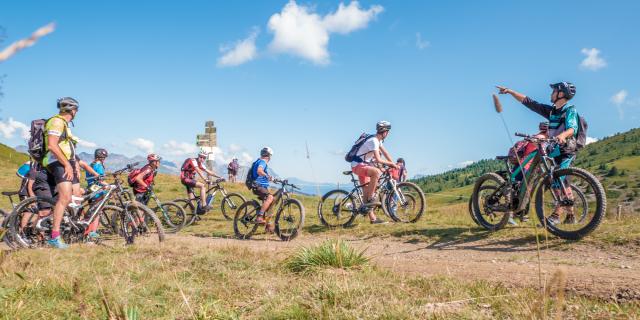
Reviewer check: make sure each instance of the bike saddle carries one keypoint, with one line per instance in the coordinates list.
(346, 173)
(502, 157)
(9, 193)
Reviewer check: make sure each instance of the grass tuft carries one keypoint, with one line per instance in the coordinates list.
(331, 253)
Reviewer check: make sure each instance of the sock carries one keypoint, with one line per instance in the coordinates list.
(55, 234)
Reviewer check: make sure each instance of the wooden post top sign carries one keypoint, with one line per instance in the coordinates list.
(210, 137)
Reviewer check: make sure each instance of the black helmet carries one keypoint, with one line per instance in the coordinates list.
(67, 104)
(400, 160)
(383, 126)
(101, 154)
(567, 87)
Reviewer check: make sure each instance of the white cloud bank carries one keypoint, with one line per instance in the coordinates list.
(420, 43)
(593, 61)
(301, 32)
(9, 128)
(241, 52)
(143, 145)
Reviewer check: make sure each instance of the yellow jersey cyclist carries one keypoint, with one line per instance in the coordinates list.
(60, 162)
(563, 125)
(191, 168)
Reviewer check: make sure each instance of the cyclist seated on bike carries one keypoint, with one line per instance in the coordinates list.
(197, 167)
(59, 161)
(399, 174)
(38, 185)
(99, 156)
(371, 153)
(23, 174)
(522, 149)
(141, 179)
(563, 125)
(258, 179)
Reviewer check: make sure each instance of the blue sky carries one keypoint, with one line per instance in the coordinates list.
(314, 72)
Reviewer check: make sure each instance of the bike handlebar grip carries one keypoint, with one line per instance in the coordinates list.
(518, 134)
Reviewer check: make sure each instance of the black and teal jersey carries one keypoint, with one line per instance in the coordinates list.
(560, 120)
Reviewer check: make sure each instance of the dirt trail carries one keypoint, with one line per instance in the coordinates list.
(612, 273)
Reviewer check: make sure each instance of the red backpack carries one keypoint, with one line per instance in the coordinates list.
(518, 151)
(131, 179)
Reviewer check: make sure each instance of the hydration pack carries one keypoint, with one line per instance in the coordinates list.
(35, 145)
(250, 181)
(581, 137)
(352, 155)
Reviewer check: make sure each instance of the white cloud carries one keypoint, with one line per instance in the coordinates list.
(143, 145)
(240, 52)
(421, 44)
(233, 148)
(620, 97)
(87, 144)
(591, 140)
(301, 32)
(10, 127)
(176, 149)
(464, 164)
(350, 18)
(592, 61)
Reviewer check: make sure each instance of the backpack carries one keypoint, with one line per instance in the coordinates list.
(251, 180)
(131, 179)
(35, 146)
(517, 152)
(352, 155)
(581, 138)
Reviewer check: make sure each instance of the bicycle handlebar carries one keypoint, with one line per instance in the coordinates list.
(285, 183)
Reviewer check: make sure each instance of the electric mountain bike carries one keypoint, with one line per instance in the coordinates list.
(570, 203)
(172, 213)
(401, 201)
(229, 204)
(289, 215)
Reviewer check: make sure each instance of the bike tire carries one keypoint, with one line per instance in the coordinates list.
(329, 202)
(189, 209)
(294, 223)
(476, 205)
(243, 226)
(173, 215)
(416, 193)
(152, 222)
(229, 206)
(600, 205)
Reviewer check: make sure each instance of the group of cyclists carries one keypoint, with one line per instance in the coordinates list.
(59, 170)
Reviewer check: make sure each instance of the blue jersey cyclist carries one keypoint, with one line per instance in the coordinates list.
(100, 155)
(261, 177)
(563, 125)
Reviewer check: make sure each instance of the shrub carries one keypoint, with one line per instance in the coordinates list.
(331, 253)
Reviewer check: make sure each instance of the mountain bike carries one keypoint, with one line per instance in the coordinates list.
(574, 192)
(402, 202)
(229, 204)
(289, 214)
(172, 213)
(77, 219)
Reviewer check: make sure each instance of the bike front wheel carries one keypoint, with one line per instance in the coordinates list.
(189, 210)
(572, 205)
(337, 209)
(230, 204)
(289, 220)
(244, 225)
(173, 215)
(407, 205)
(489, 205)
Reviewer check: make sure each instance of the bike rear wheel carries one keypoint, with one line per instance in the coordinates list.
(244, 225)
(230, 204)
(489, 205)
(408, 206)
(580, 210)
(289, 220)
(173, 215)
(337, 209)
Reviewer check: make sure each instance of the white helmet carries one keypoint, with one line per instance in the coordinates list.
(383, 126)
(203, 154)
(266, 152)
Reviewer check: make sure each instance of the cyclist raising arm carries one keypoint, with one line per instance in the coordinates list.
(563, 125)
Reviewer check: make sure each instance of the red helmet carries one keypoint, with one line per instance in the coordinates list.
(153, 157)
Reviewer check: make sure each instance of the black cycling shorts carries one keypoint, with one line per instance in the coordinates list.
(56, 172)
(142, 197)
(189, 184)
(261, 192)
